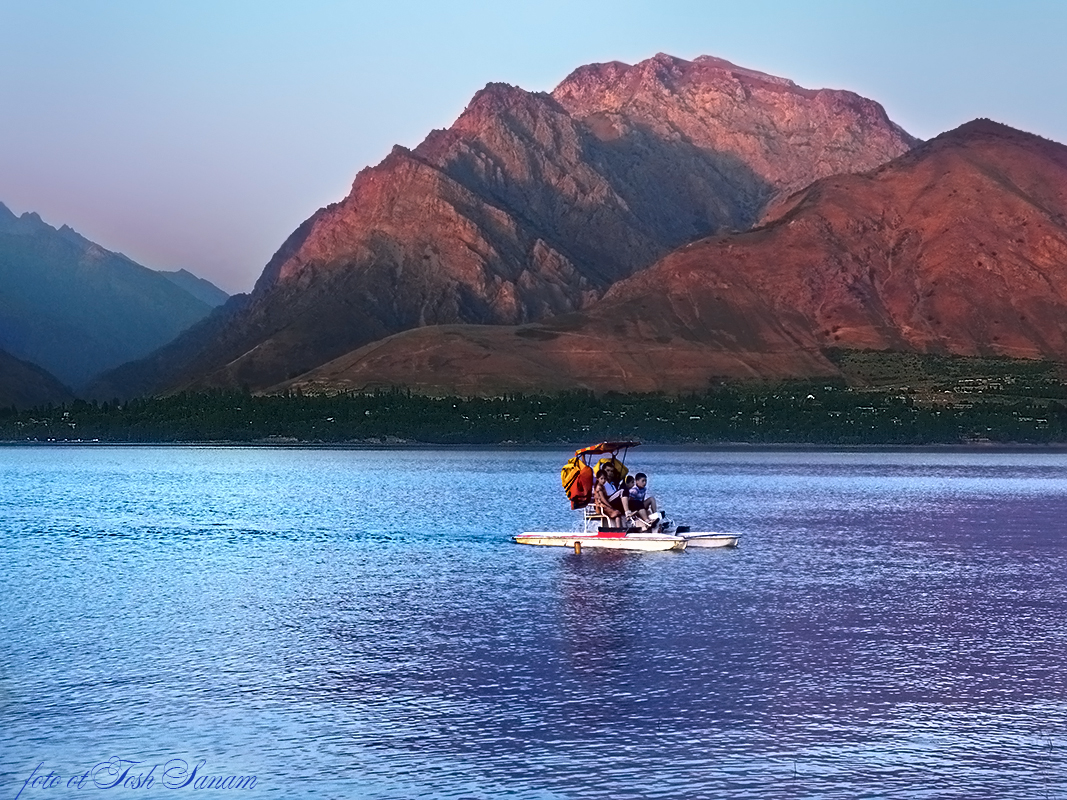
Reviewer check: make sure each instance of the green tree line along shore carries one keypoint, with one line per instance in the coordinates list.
(883, 399)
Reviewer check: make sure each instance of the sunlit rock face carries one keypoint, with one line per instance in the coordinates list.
(959, 246)
(531, 205)
(752, 124)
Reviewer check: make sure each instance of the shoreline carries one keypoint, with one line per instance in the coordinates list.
(976, 447)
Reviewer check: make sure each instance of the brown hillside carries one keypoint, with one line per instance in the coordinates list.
(959, 246)
(530, 205)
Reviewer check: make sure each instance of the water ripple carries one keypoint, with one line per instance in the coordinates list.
(358, 624)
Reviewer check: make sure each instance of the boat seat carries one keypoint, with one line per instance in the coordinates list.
(597, 518)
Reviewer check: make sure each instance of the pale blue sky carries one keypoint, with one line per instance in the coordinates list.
(199, 133)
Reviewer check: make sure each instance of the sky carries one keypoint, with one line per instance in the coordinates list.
(198, 134)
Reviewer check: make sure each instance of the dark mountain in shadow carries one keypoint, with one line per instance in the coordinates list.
(530, 205)
(77, 309)
(200, 288)
(144, 376)
(25, 385)
(958, 247)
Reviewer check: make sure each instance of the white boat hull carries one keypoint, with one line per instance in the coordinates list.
(712, 539)
(635, 541)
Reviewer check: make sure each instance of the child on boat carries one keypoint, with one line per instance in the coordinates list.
(643, 504)
(611, 499)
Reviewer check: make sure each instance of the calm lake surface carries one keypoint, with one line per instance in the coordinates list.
(357, 623)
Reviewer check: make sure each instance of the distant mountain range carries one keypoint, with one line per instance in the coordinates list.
(958, 247)
(200, 288)
(656, 227)
(530, 205)
(75, 309)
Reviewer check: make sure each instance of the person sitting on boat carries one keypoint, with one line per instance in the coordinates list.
(635, 513)
(611, 500)
(643, 504)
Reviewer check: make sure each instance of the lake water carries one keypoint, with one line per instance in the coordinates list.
(358, 624)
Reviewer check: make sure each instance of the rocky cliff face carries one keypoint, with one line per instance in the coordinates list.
(959, 246)
(532, 205)
(785, 134)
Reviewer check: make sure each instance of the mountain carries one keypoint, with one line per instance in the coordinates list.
(200, 288)
(77, 309)
(958, 247)
(529, 205)
(25, 385)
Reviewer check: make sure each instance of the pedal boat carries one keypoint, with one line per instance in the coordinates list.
(596, 536)
(595, 532)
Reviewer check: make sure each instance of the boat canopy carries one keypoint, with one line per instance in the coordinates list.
(577, 476)
(605, 447)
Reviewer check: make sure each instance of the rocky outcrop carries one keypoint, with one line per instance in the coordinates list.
(958, 247)
(532, 205)
(787, 135)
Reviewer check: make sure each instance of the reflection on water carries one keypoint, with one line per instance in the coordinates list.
(358, 624)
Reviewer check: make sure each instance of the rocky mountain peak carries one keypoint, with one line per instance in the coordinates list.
(28, 223)
(599, 87)
(532, 205)
(786, 134)
(957, 247)
(76, 238)
(496, 99)
(986, 131)
(707, 63)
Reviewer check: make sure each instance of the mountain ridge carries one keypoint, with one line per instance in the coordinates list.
(530, 205)
(955, 247)
(200, 288)
(75, 308)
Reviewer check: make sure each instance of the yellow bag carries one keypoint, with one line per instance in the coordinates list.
(569, 473)
(577, 479)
